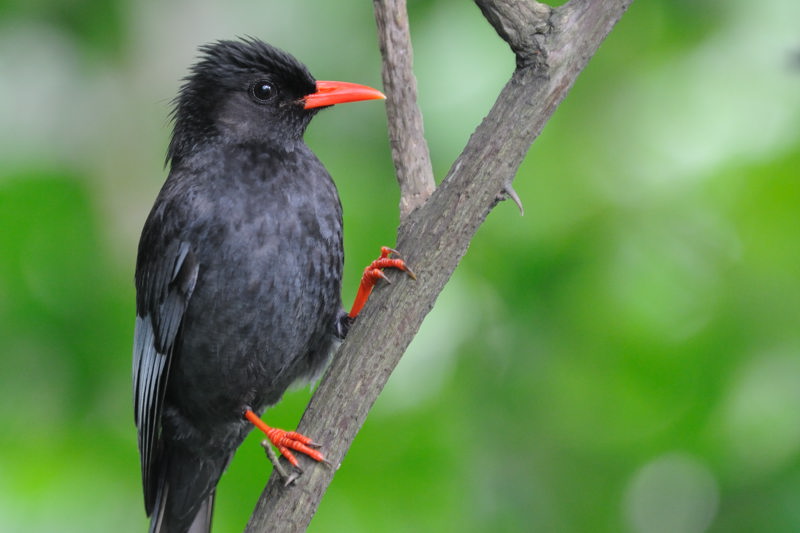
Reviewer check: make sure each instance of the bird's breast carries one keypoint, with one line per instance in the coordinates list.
(268, 289)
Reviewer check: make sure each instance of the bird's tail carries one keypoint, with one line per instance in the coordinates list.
(185, 499)
(202, 520)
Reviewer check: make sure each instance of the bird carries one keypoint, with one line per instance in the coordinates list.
(238, 273)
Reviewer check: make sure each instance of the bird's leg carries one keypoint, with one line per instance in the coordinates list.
(286, 440)
(373, 273)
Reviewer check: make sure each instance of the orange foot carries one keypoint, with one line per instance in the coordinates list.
(374, 272)
(286, 440)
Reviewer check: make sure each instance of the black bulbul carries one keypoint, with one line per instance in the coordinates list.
(238, 273)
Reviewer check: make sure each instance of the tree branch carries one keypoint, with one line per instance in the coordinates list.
(412, 160)
(550, 52)
(522, 24)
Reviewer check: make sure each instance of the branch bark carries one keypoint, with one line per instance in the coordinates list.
(410, 154)
(552, 46)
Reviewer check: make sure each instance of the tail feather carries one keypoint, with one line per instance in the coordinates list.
(185, 499)
(202, 521)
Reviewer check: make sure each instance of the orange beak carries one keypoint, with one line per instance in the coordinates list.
(340, 92)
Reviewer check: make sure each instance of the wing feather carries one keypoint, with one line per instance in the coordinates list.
(164, 287)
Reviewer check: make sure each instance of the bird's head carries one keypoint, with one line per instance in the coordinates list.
(248, 91)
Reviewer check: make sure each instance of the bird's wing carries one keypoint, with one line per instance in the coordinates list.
(164, 284)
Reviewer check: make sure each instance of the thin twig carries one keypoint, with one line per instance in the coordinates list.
(410, 154)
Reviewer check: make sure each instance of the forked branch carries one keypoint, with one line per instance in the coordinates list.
(552, 46)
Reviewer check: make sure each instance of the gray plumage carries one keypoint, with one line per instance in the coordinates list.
(238, 275)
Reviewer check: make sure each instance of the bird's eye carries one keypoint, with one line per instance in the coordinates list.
(262, 90)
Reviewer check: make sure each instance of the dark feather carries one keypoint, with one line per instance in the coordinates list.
(168, 282)
(238, 275)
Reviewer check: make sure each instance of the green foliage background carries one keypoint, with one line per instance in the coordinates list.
(625, 357)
